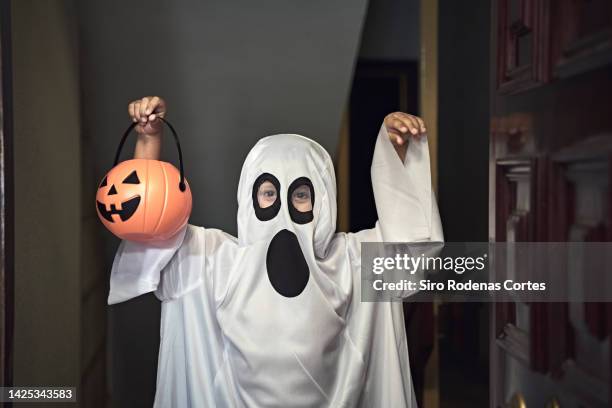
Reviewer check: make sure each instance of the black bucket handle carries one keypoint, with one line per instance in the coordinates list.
(182, 185)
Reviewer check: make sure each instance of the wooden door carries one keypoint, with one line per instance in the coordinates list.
(550, 178)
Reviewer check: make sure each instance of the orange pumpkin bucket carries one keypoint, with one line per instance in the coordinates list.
(144, 200)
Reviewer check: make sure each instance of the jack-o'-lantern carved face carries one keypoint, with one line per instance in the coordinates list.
(141, 200)
(130, 186)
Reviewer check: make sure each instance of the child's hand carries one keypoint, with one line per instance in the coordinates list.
(400, 127)
(146, 112)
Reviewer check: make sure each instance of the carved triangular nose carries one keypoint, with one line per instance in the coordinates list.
(112, 190)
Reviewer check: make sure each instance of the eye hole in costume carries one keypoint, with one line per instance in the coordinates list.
(266, 194)
(301, 197)
(266, 200)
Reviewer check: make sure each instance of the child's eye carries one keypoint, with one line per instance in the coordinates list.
(266, 195)
(301, 194)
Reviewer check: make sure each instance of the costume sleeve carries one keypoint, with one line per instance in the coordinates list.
(405, 201)
(137, 266)
(205, 254)
(173, 267)
(141, 268)
(407, 212)
(186, 269)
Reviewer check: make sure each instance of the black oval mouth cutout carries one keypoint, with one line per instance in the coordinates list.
(287, 268)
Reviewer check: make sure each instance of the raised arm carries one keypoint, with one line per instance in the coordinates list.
(138, 267)
(174, 266)
(401, 180)
(407, 212)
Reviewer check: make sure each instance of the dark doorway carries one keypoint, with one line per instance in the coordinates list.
(463, 129)
(379, 88)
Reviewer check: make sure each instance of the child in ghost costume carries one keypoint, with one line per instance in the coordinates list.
(273, 318)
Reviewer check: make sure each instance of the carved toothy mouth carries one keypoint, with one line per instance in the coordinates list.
(128, 208)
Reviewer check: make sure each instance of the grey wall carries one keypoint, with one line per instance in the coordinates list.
(232, 72)
(60, 276)
(47, 194)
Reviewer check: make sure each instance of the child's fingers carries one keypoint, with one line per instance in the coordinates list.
(395, 136)
(400, 125)
(152, 105)
(392, 123)
(137, 110)
(131, 112)
(414, 125)
(146, 112)
(144, 103)
(407, 123)
(421, 125)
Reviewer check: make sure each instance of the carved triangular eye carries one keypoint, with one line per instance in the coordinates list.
(103, 183)
(132, 178)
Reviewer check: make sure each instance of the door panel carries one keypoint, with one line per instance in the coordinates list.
(550, 176)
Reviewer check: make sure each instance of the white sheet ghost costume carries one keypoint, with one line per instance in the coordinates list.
(274, 317)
